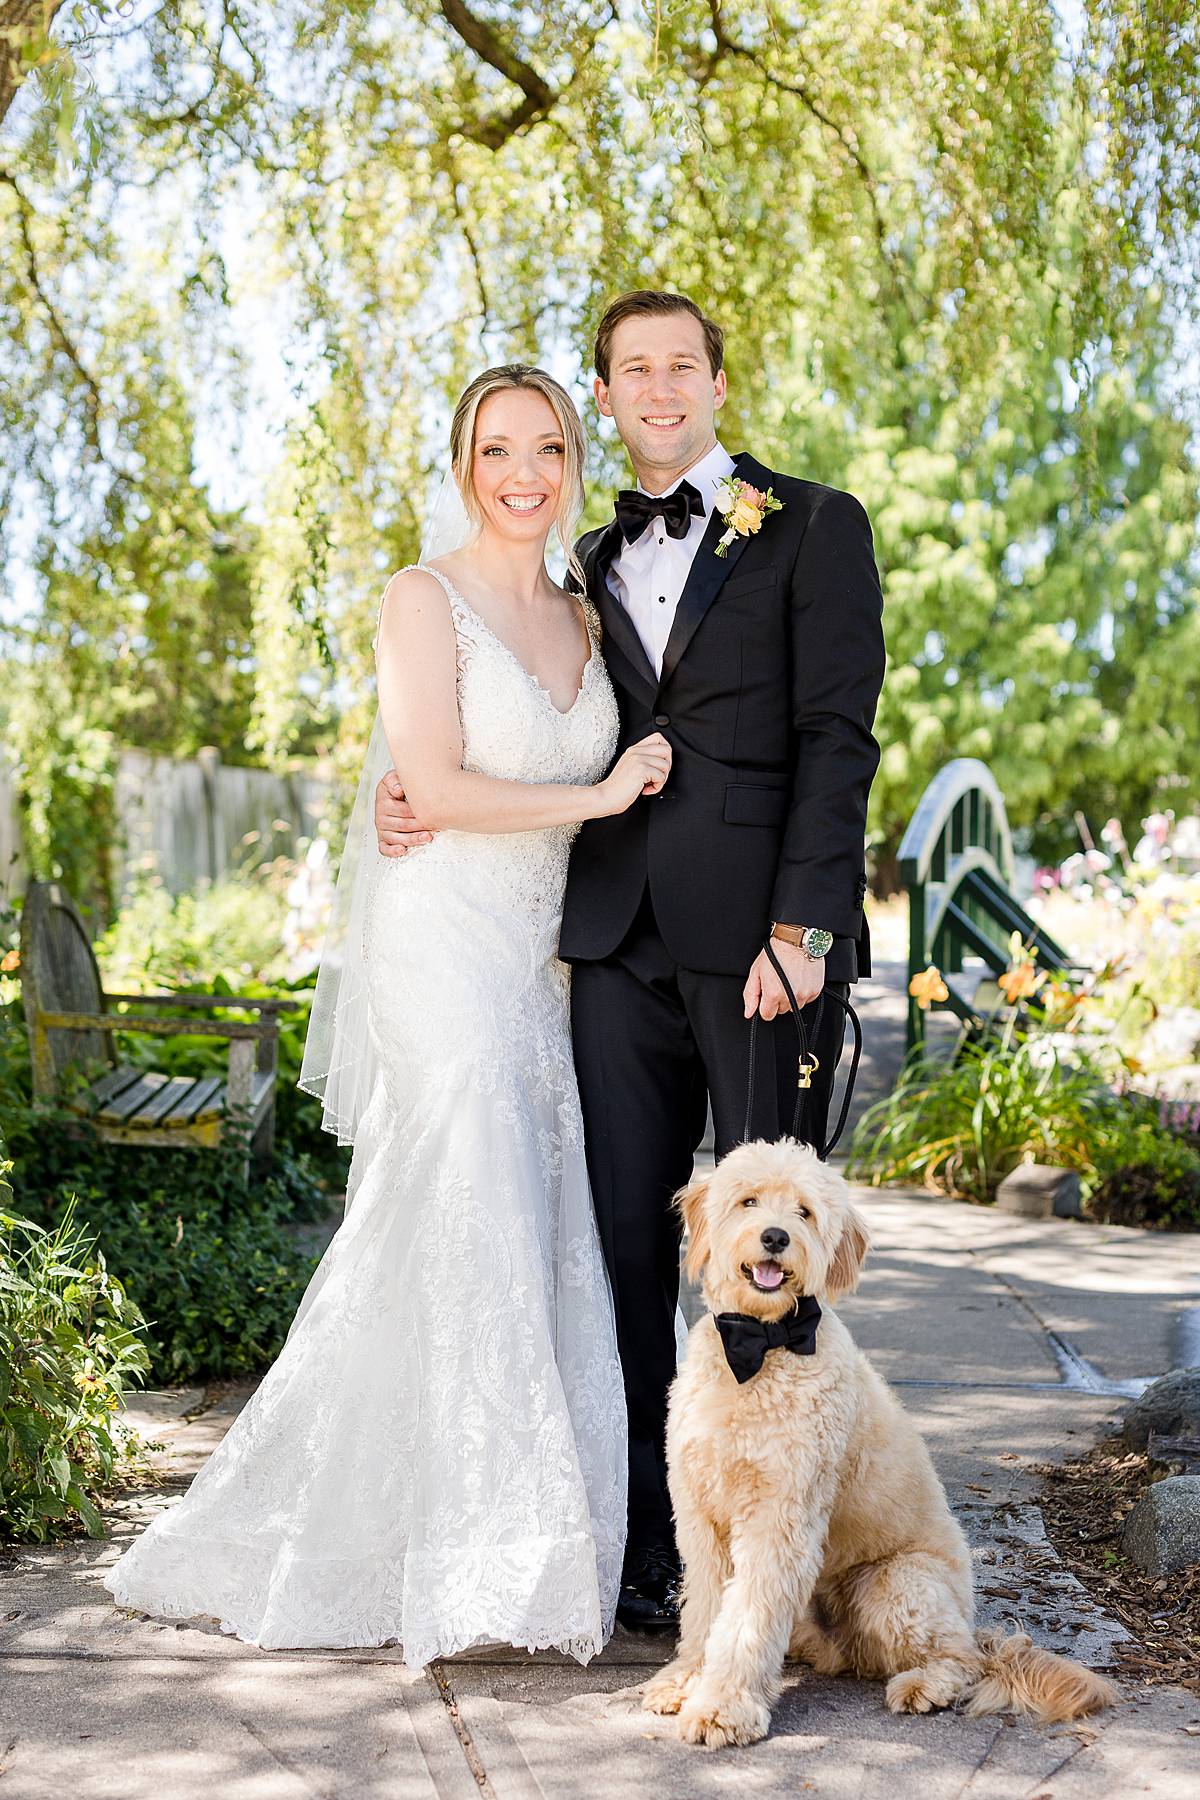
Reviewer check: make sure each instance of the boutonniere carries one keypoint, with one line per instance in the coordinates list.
(743, 509)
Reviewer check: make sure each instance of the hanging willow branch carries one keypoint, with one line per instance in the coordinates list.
(540, 98)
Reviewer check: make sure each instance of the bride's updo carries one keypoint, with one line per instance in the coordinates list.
(462, 443)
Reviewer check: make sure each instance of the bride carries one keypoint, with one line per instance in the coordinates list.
(437, 1457)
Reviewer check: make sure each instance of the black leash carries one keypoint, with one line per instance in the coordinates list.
(807, 1062)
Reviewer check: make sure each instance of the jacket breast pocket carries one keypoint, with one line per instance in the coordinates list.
(748, 804)
(754, 581)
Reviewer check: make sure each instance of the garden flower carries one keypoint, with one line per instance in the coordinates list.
(1063, 1001)
(10, 962)
(1020, 983)
(927, 987)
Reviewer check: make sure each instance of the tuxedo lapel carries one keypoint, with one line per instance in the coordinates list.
(620, 633)
(708, 572)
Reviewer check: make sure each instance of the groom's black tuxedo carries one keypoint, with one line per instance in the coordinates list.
(770, 678)
(769, 684)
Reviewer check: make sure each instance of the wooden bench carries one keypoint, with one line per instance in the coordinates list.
(71, 1026)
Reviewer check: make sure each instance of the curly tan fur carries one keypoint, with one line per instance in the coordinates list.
(808, 1512)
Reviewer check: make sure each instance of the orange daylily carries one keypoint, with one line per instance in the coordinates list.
(927, 987)
(10, 962)
(1020, 982)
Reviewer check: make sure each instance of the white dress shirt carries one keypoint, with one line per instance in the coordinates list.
(648, 575)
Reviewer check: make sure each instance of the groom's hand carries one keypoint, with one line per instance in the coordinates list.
(763, 993)
(396, 825)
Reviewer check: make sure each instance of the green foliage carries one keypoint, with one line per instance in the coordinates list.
(71, 1341)
(206, 940)
(951, 245)
(1039, 548)
(959, 1125)
(214, 1264)
(1171, 973)
(1146, 1174)
(211, 1262)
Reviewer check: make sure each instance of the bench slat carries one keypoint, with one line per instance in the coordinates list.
(165, 1101)
(196, 1104)
(110, 1085)
(146, 1097)
(131, 1099)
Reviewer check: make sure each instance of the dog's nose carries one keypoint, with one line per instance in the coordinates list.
(774, 1240)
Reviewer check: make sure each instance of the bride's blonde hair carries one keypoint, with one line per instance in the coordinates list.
(462, 445)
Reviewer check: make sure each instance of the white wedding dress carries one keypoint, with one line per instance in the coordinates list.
(438, 1456)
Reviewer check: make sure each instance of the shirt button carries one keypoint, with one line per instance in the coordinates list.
(662, 599)
(662, 540)
(662, 718)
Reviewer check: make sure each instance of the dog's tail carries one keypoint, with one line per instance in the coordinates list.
(1016, 1676)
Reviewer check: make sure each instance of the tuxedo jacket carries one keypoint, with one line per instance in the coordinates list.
(769, 684)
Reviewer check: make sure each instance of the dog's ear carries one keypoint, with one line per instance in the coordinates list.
(690, 1202)
(849, 1256)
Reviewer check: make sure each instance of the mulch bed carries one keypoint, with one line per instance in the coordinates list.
(1084, 1505)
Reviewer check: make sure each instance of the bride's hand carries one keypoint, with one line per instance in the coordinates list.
(643, 769)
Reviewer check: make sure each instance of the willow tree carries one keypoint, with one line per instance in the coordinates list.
(411, 189)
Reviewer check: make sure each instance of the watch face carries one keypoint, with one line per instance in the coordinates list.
(817, 942)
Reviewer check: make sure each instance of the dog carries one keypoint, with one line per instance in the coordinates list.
(809, 1517)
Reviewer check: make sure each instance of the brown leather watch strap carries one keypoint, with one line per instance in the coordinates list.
(790, 934)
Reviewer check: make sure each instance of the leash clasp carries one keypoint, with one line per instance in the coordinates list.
(806, 1068)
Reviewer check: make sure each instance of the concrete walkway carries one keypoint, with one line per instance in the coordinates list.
(1006, 1339)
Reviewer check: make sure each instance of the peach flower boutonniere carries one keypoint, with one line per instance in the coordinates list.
(743, 509)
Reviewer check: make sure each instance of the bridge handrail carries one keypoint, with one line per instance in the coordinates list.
(963, 776)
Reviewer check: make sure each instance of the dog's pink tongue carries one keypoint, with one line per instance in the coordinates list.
(768, 1274)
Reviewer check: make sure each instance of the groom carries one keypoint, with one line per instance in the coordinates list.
(762, 664)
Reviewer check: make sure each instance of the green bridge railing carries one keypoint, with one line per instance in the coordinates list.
(956, 860)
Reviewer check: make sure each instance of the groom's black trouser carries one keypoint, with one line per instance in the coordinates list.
(653, 1044)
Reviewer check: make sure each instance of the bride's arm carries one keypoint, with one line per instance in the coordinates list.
(416, 662)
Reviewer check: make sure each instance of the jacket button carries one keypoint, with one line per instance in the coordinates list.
(662, 718)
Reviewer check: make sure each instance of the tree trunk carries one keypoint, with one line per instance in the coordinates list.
(24, 32)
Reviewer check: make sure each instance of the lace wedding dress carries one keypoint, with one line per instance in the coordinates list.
(437, 1457)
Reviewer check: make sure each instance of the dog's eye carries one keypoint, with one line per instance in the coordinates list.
(749, 1199)
(804, 1212)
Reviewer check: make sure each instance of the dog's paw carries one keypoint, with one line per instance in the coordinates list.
(918, 1691)
(669, 1689)
(718, 1720)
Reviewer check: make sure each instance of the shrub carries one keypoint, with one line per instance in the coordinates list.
(218, 1290)
(233, 929)
(208, 1258)
(1145, 1172)
(70, 1343)
(960, 1125)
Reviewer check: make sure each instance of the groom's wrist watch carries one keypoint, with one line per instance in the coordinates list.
(814, 942)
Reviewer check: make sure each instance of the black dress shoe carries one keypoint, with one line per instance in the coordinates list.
(649, 1596)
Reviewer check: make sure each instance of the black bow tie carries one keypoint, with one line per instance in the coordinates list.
(746, 1340)
(635, 510)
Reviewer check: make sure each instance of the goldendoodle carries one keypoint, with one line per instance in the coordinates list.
(808, 1512)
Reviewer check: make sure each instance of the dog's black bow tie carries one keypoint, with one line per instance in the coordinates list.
(635, 511)
(746, 1340)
